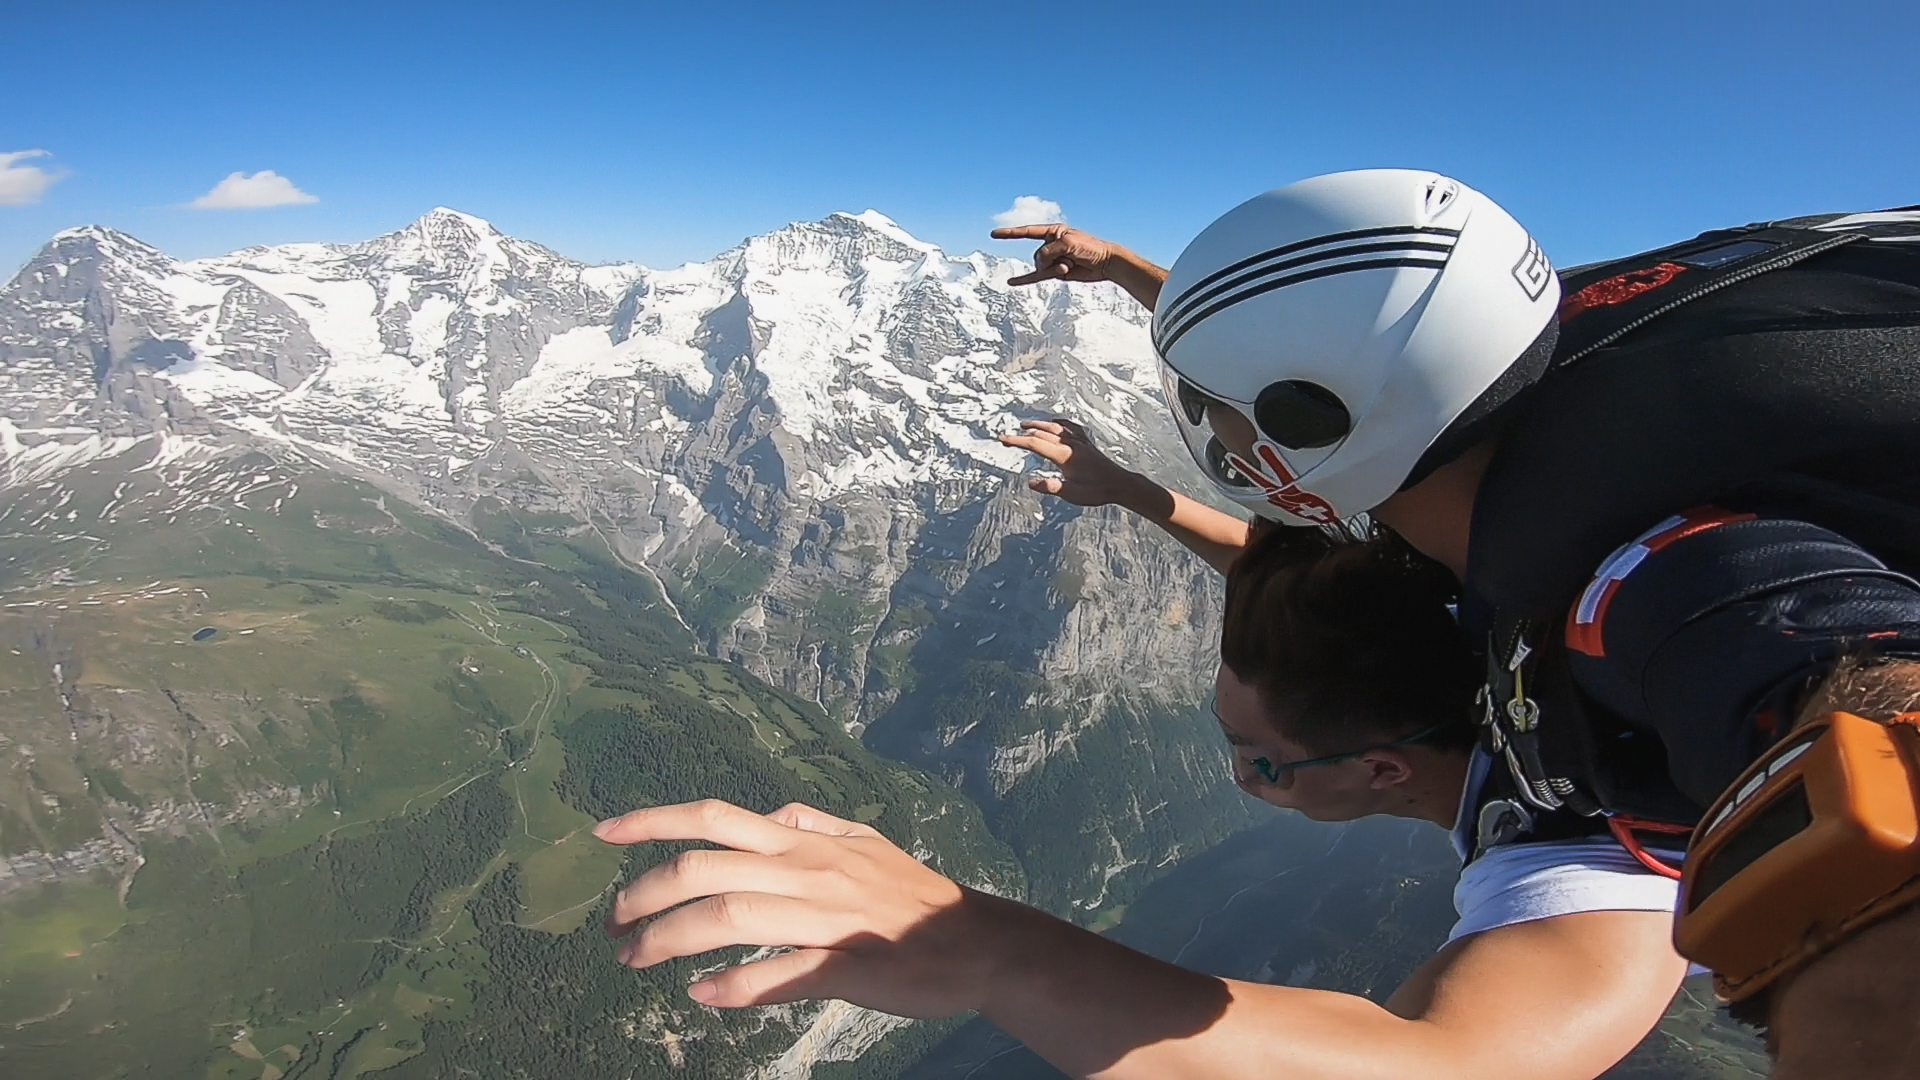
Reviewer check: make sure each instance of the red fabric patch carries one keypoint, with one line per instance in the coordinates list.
(1619, 290)
(1584, 635)
(1698, 521)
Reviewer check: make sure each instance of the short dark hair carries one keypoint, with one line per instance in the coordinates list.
(1349, 642)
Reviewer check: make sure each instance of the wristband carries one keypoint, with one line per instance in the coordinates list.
(1815, 841)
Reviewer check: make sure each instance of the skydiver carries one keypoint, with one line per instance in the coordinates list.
(1736, 418)
(1733, 418)
(1366, 712)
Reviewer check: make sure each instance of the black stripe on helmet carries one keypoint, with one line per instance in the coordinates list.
(1192, 299)
(1166, 343)
(1303, 245)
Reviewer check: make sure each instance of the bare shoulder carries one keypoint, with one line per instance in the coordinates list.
(1572, 993)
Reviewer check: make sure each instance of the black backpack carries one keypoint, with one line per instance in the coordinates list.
(1773, 368)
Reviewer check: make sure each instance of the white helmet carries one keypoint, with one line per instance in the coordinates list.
(1318, 341)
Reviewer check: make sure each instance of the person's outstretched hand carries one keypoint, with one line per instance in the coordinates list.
(1087, 476)
(867, 922)
(1065, 254)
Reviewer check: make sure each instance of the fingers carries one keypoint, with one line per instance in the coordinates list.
(1050, 272)
(1059, 427)
(735, 918)
(807, 819)
(1054, 253)
(1067, 430)
(692, 874)
(1047, 485)
(1049, 448)
(796, 976)
(1032, 232)
(710, 819)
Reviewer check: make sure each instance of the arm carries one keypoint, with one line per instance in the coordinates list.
(1140, 278)
(1721, 639)
(1850, 1012)
(1067, 254)
(1556, 999)
(1090, 478)
(1216, 537)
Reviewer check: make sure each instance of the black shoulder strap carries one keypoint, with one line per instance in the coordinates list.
(1607, 302)
(1690, 409)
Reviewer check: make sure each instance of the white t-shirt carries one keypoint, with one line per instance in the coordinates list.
(1516, 883)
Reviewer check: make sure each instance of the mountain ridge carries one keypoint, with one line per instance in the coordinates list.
(794, 438)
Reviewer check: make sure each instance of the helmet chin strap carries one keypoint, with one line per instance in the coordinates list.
(1281, 486)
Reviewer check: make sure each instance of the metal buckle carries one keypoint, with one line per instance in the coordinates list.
(1501, 821)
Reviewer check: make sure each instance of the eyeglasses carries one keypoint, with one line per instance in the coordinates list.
(1275, 774)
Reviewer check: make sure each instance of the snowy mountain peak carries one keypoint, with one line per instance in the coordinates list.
(844, 245)
(448, 214)
(98, 242)
(885, 226)
(98, 234)
(876, 359)
(448, 240)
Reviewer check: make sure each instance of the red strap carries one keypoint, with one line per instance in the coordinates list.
(1623, 827)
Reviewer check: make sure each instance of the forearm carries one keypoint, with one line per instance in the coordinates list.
(1850, 1012)
(1562, 998)
(1140, 278)
(1094, 1008)
(1216, 537)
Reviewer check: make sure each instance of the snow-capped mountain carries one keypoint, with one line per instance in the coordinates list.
(449, 335)
(837, 362)
(794, 439)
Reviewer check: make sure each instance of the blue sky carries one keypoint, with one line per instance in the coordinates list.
(663, 133)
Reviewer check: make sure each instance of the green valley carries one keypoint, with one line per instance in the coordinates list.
(346, 757)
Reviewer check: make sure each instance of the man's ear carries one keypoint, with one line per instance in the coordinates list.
(1387, 768)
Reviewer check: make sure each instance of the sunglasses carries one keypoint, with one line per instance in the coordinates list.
(1279, 774)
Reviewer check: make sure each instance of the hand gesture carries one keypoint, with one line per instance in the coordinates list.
(1087, 476)
(1066, 254)
(867, 922)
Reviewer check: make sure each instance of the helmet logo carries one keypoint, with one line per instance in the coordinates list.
(1441, 193)
(1281, 485)
(1533, 272)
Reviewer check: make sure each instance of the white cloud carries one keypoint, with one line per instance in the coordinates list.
(22, 185)
(257, 192)
(1029, 210)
